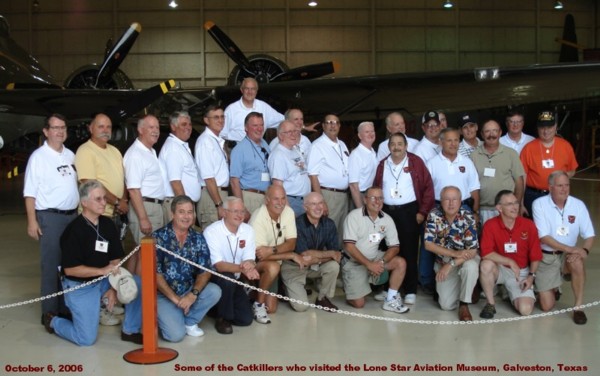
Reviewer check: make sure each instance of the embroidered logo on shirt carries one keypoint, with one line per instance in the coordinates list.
(461, 169)
(571, 219)
(524, 235)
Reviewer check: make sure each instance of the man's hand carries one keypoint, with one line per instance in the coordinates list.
(263, 252)
(515, 268)
(376, 267)
(337, 256)
(299, 260)
(111, 295)
(145, 226)
(186, 301)
(442, 274)
(468, 254)
(576, 253)
(220, 212)
(527, 283)
(123, 207)
(420, 218)
(34, 230)
(311, 128)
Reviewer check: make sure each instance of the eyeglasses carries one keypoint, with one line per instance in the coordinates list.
(332, 122)
(432, 125)
(290, 133)
(236, 212)
(375, 198)
(216, 117)
(515, 121)
(250, 89)
(57, 128)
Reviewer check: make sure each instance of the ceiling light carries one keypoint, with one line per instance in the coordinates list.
(312, 4)
(173, 4)
(448, 4)
(558, 5)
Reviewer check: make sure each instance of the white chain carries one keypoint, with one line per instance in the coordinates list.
(286, 298)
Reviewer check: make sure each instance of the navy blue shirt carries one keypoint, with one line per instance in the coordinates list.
(322, 237)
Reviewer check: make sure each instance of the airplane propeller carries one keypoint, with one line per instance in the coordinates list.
(263, 68)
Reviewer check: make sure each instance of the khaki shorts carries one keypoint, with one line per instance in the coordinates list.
(548, 273)
(507, 278)
(356, 278)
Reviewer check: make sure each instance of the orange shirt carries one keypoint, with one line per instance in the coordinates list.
(536, 158)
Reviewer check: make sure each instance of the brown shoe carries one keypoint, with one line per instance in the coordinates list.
(47, 320)
(223, 326)
(476, 294)
(464, 314)
(325, 303)
(579, 317)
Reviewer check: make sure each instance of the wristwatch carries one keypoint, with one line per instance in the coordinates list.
(532, 274)
(195, 292)
(117, 202)
(274, 250)
(452, 263)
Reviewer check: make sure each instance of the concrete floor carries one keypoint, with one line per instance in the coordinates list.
(345, 344)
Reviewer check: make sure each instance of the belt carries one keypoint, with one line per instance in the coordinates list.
(335, 189)
(552, 252)
(297, 197)
(58, 211)
(153, 200)
(254, 191)
(399, 207)
(537, 190)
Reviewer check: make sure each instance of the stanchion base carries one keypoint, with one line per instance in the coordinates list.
(162, 355)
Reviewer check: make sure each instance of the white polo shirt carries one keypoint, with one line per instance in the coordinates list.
(289, 166)
(398, 186)
(329, 160)
(236, 112)
(143, 172)
(304, 145)
(516, 145)
(363, 164)
(384, 149)
(51, 179)
(229, 247)
(178, 163)
(211, 158)
(566, 225)
(460, 173)
(426, 149)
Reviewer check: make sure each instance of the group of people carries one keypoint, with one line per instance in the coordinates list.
(441, 213)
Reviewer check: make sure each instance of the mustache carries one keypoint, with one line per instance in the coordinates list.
(105, 135)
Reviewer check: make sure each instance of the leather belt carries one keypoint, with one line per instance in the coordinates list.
(254, 191)
(335, 189)
(58, 211)
(297, 197)
(153, 200)
(219, 188)
(552, 252)
(538, 190)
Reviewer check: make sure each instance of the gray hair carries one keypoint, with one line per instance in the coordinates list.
(87, 187)
(362, 125)
(176, 115)
(229, 201)
(556, 174)
(387, 118)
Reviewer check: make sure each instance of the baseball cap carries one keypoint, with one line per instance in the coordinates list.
(467, 119)
(124, 284)
(546, 119)
(430, 115)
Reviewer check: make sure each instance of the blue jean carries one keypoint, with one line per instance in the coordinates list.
(84, 304)
(171, 319)
(297, 205)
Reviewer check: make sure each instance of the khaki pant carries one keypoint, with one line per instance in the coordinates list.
(294, 279)
(205, 208)
(459, 284)
(155, 215)
(252, 200)
(337, 202)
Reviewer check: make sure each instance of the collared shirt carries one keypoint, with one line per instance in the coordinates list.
(397, 185)
(366, 233)
(322, 237)
(51, 179)
(178, 163)
(516, 145)
(458, 235)
(180, 275)
(249, 164)
(289, 166)
(236, 112)
(523, 235)
(211, 158)
(426, 149)
(329, 160)
(226, 246)
(362, 163)
(564, 225)
(383, 150)
(142, 171)
(304, 145)
(269, 232)
(460, 173)
(466, 149)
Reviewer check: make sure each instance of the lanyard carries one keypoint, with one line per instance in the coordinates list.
(96, 228)
(263, 158)
(237, 243)
(399, 172)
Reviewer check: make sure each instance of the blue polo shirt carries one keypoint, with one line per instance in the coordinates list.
(248, 163)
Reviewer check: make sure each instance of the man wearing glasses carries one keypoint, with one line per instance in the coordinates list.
(249, 171)
(236, 112)
(297, 117)
(429, 147)
(287, 166)
(514, 137)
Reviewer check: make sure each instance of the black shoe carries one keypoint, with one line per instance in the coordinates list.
(223, 326)
(579, 317)
(325, 303)
(133, 337)
(428, 289)
(47, 320)
(488, 311)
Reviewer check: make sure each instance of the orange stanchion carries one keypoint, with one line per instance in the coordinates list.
(150, 353)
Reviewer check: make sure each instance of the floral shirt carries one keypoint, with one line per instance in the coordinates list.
(180, 275)
(458, 235)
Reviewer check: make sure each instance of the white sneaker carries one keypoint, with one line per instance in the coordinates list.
(381, 296)
(118, 310)
(395, 305)
(108, 319)
(194, 331)
(260, 313)
(410, 299)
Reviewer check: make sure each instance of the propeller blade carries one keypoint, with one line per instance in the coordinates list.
(139, 101)
(307, 72)
(229, 47)
(117, 54)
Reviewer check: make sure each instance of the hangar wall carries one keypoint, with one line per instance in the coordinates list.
(364, 36)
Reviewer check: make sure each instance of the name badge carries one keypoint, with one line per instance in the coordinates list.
(375, 237)
(489, 172)
(548, 163)
(101, 246)
(265, 176)
(562, 231)
(395, 193)
(510, 247)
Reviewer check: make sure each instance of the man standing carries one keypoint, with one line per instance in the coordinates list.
(394, 123)
(51, 200)
(295, 116)
(319, 247)
(232, 252)
(364, 229)
(236, 112)
(249, 174)
(177, 163)
(184, 292)
(407, 198)
(144, 180)
(514, 137)
(287, 165)
(362, 162)
(429, 147)
(511, 253)
(211, 160)
(469, 130)
(451, 233)
(543, 156)
(499, 168)
(560, 220)
(91, 248)
(328, 170)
